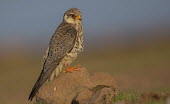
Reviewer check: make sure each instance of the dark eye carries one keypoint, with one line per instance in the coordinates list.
(72, 15)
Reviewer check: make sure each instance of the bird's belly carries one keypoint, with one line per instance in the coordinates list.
(69, 58)
(64, 62)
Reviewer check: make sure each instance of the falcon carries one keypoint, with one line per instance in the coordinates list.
(64, 46)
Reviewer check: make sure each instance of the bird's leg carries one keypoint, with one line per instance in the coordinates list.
(68, 69)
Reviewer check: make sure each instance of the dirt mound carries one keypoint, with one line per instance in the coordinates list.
(78, 87)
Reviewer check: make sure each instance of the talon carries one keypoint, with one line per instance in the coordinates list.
(68, 69)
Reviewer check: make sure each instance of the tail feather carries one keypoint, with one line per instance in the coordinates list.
(45, 74)
(32, 94)
(41, 80)
(36, 87)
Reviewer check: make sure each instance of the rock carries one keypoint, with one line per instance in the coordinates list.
(102, 78)
(77, 87)
(82, 97)
(103, 96)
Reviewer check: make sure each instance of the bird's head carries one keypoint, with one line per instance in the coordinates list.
(73, 16)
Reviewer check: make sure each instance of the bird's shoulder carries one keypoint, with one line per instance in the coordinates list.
(61, 42)
(64, 32)
(64, 28)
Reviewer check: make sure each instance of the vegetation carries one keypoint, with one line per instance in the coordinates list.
(126, 95)
(159, 96)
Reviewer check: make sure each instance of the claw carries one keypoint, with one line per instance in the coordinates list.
(68, 69)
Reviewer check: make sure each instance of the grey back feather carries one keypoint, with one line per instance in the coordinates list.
(62, 42)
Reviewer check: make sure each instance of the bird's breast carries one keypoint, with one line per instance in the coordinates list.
(79, 39)
(78, 46)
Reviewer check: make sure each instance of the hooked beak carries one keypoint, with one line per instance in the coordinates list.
(78, 17)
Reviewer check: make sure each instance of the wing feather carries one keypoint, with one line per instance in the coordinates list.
(62, 42)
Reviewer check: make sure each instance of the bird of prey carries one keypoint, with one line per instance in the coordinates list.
(65, 44)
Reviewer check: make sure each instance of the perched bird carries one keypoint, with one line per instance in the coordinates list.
(65, 44)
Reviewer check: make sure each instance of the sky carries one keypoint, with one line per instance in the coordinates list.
(22, 20)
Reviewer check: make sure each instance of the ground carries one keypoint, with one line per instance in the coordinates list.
(144, 68)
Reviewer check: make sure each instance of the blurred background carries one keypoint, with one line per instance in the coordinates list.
(129, 39)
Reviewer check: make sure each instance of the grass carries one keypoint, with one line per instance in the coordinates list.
(164, 90)
(126, 95)
(133, 97)
(154, 102)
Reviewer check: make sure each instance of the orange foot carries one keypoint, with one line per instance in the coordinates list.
(68, 69)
